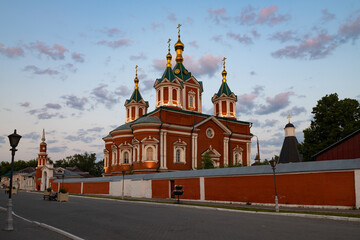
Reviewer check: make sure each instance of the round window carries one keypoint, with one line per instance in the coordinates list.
(209, 133)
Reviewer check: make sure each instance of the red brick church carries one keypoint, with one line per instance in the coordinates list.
(176, 135)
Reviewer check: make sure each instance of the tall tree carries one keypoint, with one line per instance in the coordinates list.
(333, 120)
(85, 162)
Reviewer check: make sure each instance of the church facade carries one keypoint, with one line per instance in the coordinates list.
(177, 135)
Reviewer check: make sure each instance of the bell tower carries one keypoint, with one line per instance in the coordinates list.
(42, 156)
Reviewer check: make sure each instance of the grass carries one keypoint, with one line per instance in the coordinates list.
(229, 207)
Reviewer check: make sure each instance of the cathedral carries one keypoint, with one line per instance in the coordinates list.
(177, 135)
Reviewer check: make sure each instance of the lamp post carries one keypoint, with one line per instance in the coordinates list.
(14, 141)
(273, 165)
(123, 184)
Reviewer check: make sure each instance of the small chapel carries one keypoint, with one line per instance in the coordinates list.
(176, 135)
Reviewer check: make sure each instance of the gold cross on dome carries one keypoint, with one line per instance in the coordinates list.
(169, 43)
(136, 68)
(288, 117)
(224, 61)
(178, 27)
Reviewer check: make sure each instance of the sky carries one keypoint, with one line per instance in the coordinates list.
(68, 66)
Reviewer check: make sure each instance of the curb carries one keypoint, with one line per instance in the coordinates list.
(303, 215)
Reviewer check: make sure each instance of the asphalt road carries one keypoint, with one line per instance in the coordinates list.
(107, 219)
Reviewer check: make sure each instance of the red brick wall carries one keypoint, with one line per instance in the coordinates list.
(72, 187)
(191, 188)
(96, 188)
(336, 188)
(326, 188)
(160, 188)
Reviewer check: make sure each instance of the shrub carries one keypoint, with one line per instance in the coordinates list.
(63, 190)
(48, 189)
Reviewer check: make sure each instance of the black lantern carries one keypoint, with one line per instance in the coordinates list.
(14, 139)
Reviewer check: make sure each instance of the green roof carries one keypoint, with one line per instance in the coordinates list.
(183, 74)
(224, 89)
(168, 74)
(136, 96)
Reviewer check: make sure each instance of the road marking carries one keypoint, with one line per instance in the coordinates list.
(43, 225)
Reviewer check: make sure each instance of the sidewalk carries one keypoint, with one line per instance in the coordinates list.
(25, 230)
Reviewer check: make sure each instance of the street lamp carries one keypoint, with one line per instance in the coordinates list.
(123, 185)
(273, 165)
(14, 141)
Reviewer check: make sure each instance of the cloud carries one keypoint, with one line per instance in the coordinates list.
(115, 44)
(246, 103)
(245, 39)
(294, 111)
(85, 135)
(312, 48)
(123, 91)
(141, 56)
(218, 15)
(46, 115)
(270, 123)
(32, 135)
(285, 36)
(155, 26)
(255, 33)
(57, 52)
(194, 44)
(147, 85)
(36, 70)
(326, 16)
(206, 65)
(172, 17)
(350, 30)
(2, 139)
(11, 52)
(25, 104)
(75, 102)
(57, 149)
(103, 96)
(252, 73)
(219, 39)
(69, 67)
(267, 15)
(53, 105)
(78, 57)
(111, 32)
(276, 140)
(274, 104)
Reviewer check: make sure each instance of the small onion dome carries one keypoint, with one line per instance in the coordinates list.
(289, 125)
(168, 57)
(224, 73)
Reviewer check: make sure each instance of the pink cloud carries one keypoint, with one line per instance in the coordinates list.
(155, 26)
(172, 17)
(245, 39)
(78, 57)
(25, 104)
(141, 56)
(123, 91)
(312, 48)
(57, 52)
(285, 36)
(39, 71)
(194, 44)
(326, 16)
(350, 30)
(218, 14)
(206, 65)
(112, 31)
(115, 44)
(11, 52)
(274, 104)
(267, 15)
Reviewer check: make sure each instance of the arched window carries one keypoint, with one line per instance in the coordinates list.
(149, 154)
(174, 96)
(126, 157)
(191, 101)
(158, 97)
(178, 156)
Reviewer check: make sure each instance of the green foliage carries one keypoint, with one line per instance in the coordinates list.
(5, 167)
(86, 162)
(206, 162)
(48, 189)
(63, 190)
(333, 120)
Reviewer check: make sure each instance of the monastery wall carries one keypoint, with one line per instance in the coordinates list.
(333, 183)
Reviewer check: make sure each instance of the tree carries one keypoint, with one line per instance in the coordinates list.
(206, 161)
(86, 162)
(333, 120)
